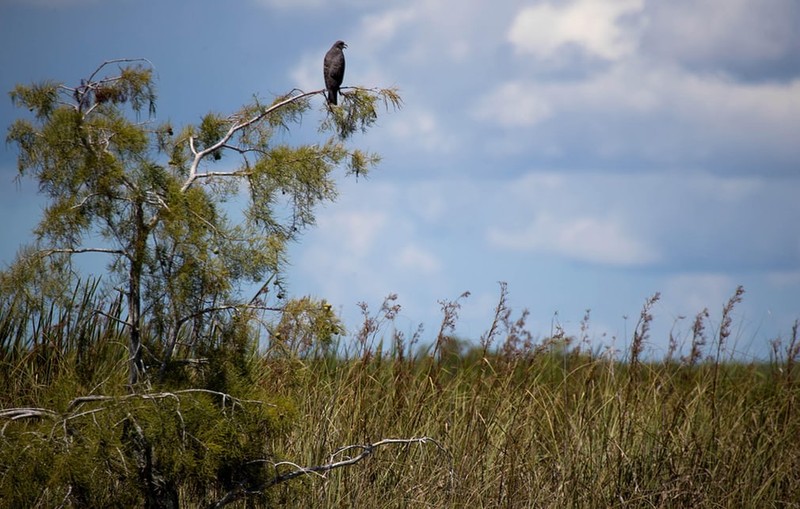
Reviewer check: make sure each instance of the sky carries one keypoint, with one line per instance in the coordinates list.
(589, 153)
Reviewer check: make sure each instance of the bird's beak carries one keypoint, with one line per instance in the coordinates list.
(344, 44)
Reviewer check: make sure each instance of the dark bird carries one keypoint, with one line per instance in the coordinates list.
(333, 69)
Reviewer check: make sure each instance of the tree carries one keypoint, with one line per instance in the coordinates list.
(155, 200)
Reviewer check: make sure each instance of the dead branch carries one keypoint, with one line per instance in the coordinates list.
(119, 61)
(161, 395)
(72, 412)
(13, 414)
(365, 450)
(48, 252)
(27, 413)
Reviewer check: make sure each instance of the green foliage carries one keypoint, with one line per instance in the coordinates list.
(360, 110)
(520, 423)
(516, 423)
(143, 195)
(40, 98)
(196, 420)
(307, 326)
(125, 451)
(212, 128)
(70, 433)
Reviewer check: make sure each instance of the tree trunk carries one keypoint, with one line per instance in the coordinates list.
(136, 366)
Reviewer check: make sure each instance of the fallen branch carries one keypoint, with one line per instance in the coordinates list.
(26, 413)
(13, 414)
(366, 450)
(161, 395)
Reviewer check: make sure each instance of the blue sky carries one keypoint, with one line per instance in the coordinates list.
(590, 152)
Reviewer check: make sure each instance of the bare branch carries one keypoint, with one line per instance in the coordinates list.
(158, 200)
(13, 414)
(48, 252)
(162, 395)
(225, 307)
(192, 362)
(118, 61)
(210, 174)
(27, 413)
(200, 155)
(244, 150)
(366, 450)
(84, 200)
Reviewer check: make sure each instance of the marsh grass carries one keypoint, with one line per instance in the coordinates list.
(514, 422)
(546, 424)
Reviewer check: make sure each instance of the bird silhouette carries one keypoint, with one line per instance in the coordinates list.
(333, 69)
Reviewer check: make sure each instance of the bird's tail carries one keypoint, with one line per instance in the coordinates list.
(333, 97)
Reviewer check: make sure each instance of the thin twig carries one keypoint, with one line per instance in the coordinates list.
(118, 61)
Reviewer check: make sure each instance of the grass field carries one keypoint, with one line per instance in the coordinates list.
(507, 422)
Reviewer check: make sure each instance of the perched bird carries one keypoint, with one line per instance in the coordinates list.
(333, 69)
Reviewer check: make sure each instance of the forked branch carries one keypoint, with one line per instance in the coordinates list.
(199, 155)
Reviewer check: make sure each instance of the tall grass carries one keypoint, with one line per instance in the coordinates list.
(547, 433)
(540, 425)
(509, 422)
(41, 339)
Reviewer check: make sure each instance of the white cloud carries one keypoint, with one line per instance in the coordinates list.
(670, 220)
(514, 104)
(450, 31)
(767, 114)
(593, 25)
(371, 242)
(417, 259)
(688, 294)
(640, 106)
(357, 230)
(744, 36)
(307, 74)
(659, 114)
(584, 238)
(378, 29)
(428, 204)
(421, 129)
(640, 89)
(686, 226)
(784, 279)
(639, 96)
(341, 257)
(622, 90)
